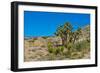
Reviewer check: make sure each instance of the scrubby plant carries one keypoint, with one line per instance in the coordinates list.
(59, 50)
(50, 50)
(82, 45)
(55, 50)
(76, 55)
(62, 48)
(69, 45)
(44, 37)
(79, 46)
(50, 47)
(69, 50)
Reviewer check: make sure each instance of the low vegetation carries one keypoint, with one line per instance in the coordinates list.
(66, 44)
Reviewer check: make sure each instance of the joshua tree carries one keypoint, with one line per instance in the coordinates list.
(76, 34)
(64, 32)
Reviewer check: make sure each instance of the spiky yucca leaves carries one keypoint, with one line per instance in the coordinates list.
(64, 32)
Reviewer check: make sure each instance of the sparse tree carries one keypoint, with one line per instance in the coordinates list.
(64, 32)
(77, 34)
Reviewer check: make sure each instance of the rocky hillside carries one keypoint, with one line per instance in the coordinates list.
(36, 48)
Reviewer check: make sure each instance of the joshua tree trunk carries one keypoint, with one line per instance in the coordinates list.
(74, 39)
(62, 41)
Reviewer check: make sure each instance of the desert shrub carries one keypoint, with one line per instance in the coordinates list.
(33, 39)
(50, 50)
(79, 46)
(82, 45)
(67, 54)
(69, 46)
(44, 37)
(57, 50)
(50, 47)
(75, 51)
(76, 55)
(61, 49)
(52, 57)
(43, 46)
(88, 40)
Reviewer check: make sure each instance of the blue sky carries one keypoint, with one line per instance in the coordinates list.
(45, 23)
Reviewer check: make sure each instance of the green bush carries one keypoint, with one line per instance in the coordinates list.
(50, 47)
(79, 46)
(55, 50)
(76, 50)
(50, 50)
(62, 48)
(59, 50)
(82, 45)
(69, 46)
